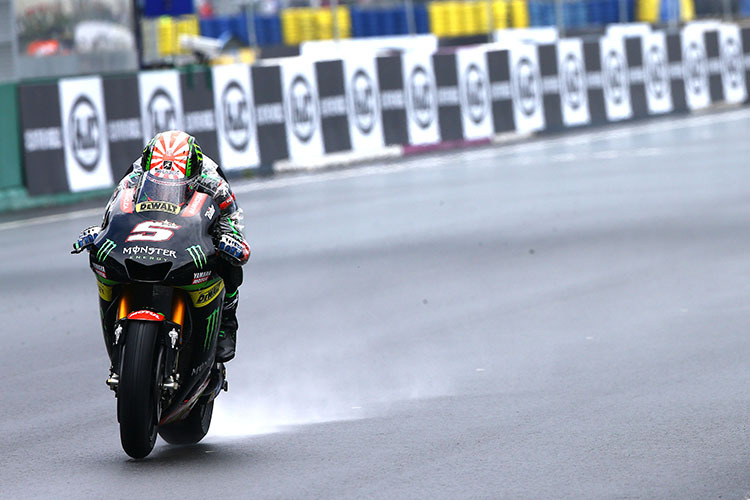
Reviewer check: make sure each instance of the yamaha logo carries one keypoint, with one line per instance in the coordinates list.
(614, 77)
(235, 116)
(731, 62)
(572, 84)
(84, 133)
(656, 72)
(696, 71)
(422, 97)
(363, 101)
(162, 113)
(525, 86)
(476, 93)
(301, 109)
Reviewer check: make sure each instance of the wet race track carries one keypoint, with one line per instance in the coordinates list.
(564, 318)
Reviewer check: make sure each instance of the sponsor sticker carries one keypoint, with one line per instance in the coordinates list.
(157, 206)
(210, 212)
(147, 315)
(205, 296)
(105, 292)
(149, 253)
(201, 277)
(99, 269)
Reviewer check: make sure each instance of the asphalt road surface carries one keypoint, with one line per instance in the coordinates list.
(563, 319)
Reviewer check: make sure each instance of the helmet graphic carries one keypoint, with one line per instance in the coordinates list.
(173, 150)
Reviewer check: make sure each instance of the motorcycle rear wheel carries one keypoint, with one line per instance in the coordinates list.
(138, 392)
(191, 429)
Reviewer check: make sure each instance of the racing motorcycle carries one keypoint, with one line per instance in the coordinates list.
(160, 303)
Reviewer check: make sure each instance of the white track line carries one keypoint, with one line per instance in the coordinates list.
(444, 158)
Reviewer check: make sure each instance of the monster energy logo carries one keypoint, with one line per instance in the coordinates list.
(105, 250)
(196, 252)
(211, 324)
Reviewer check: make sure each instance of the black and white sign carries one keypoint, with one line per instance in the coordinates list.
(656, 73)
(695, 68)
(526, 88)
(199, 113)
(474, 93)
(235, 116)
(615, 81)
(732, 64)
(449, 103)
(363, 104)
(498, 67)
(269, 113)
(161, 102)
(393, 100)
(572, 74)
(421, 98)
(42, 138)
(334, 118)
(124, 131)
(302, 109)
(84, 133)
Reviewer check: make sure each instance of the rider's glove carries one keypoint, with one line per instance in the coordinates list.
(232, 248)
(86, 239)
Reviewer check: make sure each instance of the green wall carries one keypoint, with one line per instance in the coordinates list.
(10, 144)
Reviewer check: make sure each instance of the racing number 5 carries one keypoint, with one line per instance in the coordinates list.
(152, 230)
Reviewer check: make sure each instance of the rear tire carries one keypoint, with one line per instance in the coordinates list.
(192, 429)
(138, 392)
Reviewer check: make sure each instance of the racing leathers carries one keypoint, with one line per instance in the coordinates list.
(228, 238)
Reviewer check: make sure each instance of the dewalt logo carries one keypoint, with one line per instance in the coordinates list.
(157, 206)
(204, 297)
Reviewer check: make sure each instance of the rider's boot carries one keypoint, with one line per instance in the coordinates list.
(227, 341)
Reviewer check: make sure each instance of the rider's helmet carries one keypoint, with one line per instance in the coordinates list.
(173, 150)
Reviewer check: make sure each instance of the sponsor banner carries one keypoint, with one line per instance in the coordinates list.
(615, 79)
(656, 73)
(572, 74)
(161, 102)
(675, 68)
(301, 109)
(551, 92)
(498, 67)
(713, 63)
(636, 76)
(333, 112)
(695, 68)
(474, 93)
(392, 100)
(448, 101)
(421, 98)
(235, 116)
(732, 64)
(269, 113)
(84, 133)
(42, 138)
(124, 130)
(526, 88)
(363, 104)
(199, 112)
(592, 61)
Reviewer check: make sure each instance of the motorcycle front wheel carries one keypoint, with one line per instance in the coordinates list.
(138, 392)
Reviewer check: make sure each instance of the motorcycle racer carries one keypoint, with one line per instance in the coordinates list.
(178, 153)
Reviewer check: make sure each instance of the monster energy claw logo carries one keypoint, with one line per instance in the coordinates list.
(199, 258)
(105, 250)
(211, 323)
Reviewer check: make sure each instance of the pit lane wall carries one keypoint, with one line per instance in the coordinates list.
(79, 135)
